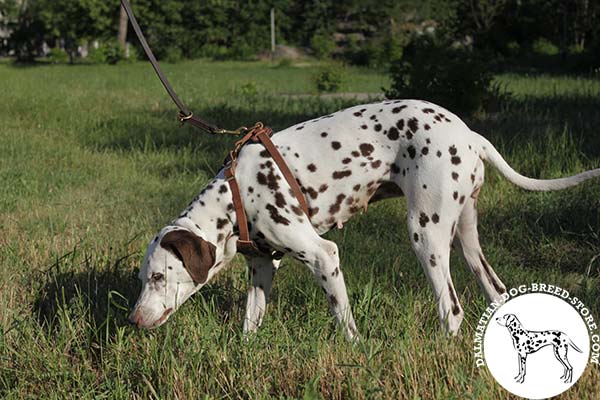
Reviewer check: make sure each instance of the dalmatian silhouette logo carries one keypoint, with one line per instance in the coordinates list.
(528, 342)
(536, 345)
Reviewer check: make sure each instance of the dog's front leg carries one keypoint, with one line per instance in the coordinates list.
(262, 271)
(324, 262)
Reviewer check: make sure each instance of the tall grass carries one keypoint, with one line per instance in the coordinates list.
(92, 164)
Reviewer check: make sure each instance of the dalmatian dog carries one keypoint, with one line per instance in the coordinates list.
(342, 162)
(528, 342)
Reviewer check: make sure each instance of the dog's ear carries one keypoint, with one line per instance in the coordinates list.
(196, 254)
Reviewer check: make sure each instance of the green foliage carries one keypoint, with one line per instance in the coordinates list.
(453, 77)
(329, 79)
(285, 62)
(322, 45)
(58, 56)
(110, 52)
(544, 47)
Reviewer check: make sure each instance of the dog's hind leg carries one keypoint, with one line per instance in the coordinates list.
(562, 353)
(468, 241)
(565, 368)
(262, 271)
(430, 237)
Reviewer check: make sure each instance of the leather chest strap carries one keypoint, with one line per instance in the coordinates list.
(259, 133)
(263, 136)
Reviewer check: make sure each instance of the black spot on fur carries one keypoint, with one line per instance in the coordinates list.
(341, 174)
(333, 300)
(323, 134)
(311, 167)
(334, 208)
(413, 124)
(432, 261)
(455, 195)
(377, 127)
(455, 160)
(355, 153)
(395, 168)
(221, 222)
(346, 160)
(455, 176)
(425, 151)
(366, 149)
(400, 124)
(416, 237)
(280, 200)
(439, 153)
(336, 145)
(261, 178)
(356, 188)
(411, 151)
(265, 154)
(275, 216)
(435, 218)
(423, 219)
(452, 150)
(393, 134)
(428, 111)
(376, 164)
(364, 126)
(396, 110)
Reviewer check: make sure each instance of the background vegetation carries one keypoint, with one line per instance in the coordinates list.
(365, 32)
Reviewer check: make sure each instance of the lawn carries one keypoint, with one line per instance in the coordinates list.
(92, 164)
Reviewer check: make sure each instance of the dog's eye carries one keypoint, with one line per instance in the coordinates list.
(157, 277)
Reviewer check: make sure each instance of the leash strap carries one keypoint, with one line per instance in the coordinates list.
(258, 133)
(185, 115)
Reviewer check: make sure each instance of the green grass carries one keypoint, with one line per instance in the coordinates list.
(92, 165)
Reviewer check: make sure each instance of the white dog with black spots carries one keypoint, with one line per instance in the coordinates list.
(342, 162)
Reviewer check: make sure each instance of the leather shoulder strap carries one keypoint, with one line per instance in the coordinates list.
(263, 136)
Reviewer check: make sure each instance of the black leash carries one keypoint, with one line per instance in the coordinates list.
(185, 115)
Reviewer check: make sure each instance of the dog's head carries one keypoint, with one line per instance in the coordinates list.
(508, 320)
(177, 264)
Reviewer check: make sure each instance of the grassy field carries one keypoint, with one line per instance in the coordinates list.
(92, 164)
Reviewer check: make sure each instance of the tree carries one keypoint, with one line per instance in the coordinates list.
(122, 28)
(76, 20)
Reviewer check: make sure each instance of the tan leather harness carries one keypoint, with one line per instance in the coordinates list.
(258, 133)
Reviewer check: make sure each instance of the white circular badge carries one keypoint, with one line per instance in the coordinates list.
(536, 345)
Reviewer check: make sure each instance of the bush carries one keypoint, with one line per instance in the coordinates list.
(329, 79)
(379, 51)
(285, 62)
(110, 53)
(173, 55)
(58, 56)
(545, 47)
(322, 45)
(433, 70)
(97, 55)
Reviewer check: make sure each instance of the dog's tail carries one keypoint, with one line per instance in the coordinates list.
(573, 346)
(489, 153)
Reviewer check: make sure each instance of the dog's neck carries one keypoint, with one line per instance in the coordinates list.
(211, 213)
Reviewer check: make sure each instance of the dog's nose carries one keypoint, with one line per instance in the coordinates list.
(135, 318)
